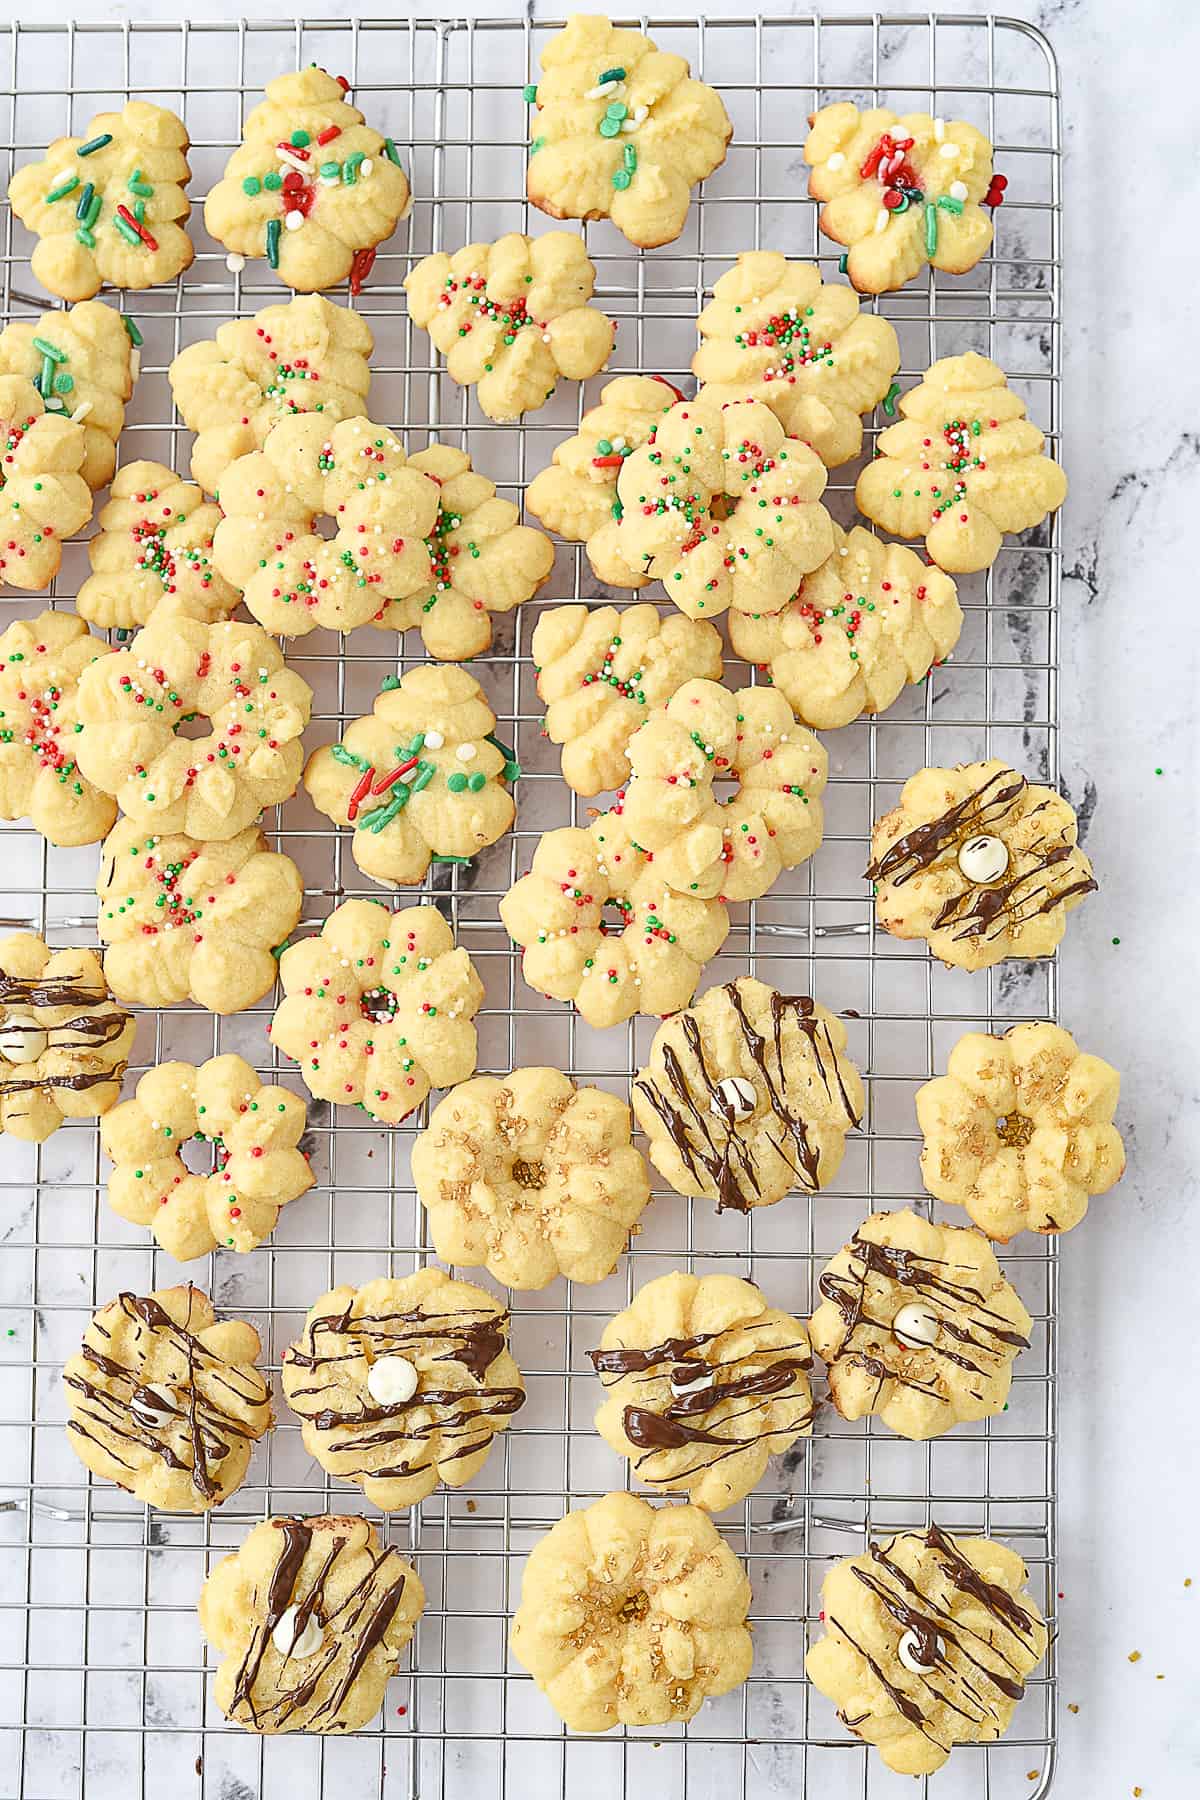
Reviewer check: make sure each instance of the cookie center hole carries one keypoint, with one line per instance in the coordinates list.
(529, 1174)
(194, 726)
(1015, 1129)
(379, 1005)
(200, 1156)
(614, 917)
(634, 1606)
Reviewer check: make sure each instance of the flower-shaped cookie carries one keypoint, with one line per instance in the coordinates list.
(43, 496)
(378, 1008)
(258, 1167)
(63, 1043)
(599, 670)
(311, 1617)
(700, 841)
(187, 920)
(531, 1177)
(704, 1383)
(577, 495)
(166, 1402)
(178, 667)
(599, 926)
(747, 1095)
(81, 361)
(723, 508)
(420, 777)
(303, 355)
(900, 192)
(621, 131)
(774, 331)
(632, 1614)
(928, 1642)
(403, 1384)
(41, 663)
(1019, 1130)
(355, 473)
(512, 317)
(109, 206)
(311, 187)
(155, 539)
(872, 617)
(918, 1326)
(980, 862)
(962, 467)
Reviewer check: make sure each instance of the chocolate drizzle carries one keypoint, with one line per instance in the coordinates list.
(82, 1036)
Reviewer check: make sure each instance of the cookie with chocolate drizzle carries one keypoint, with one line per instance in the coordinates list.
(402, 1384)
(928, 1643)
(165, 1401)
(64, 1042)
(704, 1382)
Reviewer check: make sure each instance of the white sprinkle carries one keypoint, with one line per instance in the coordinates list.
(939, 129)
(235, 263)
(958, 190)
(294, 220)
(881, 219)
(949, 151)
(135, 363)
(293, 162)
(601, 92)
(836, 161)
(434, 740)
(618, 443)
(465, 752)
(365, 167)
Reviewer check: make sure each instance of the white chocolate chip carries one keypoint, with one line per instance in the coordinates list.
(732, 1096)
(293, 220)
(20, 1042)
(909, 1651)
(958, 190)
(916, 1326)
(983, 858)
(288, 1644)
(146, 1412)
(392, 1380)
(691, 1378)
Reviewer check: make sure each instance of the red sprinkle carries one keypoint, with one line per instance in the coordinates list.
(360, 792)
(395, 775)
(360, 268)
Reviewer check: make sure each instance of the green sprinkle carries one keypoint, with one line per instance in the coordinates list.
(85, 201)
(85, 238)
(136, 185)
(126, 231)
(622, 178)
(340, 754)
(389, 684)
(94, 144)
(425, 775)
(391, 152)
(331, 170)
(456, 782)
(843, 261)
(949, 204)
(252, 186)
(1116, 940)
(889, 400)
(273, 182)
(95, 207)
(62, 190)
(611, 75)
(630, 158)
(52, 351)
(464, 860)
(131, 326)
(383, 815)
(273, 242)
(609, 128)
(931, 228)
(529, 92)
(300, 140)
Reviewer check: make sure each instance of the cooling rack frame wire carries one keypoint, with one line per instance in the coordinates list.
(102, 1671)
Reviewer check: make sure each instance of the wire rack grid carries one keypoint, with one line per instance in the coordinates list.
(103, 1674)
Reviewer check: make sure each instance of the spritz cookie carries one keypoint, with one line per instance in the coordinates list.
(621, 131)
(42, 661)
(402, 1385)
(64, 1043)
(632, 1614)
(747, 1095)
(928, 1643)
(512, 318)
(378, 1008)
(1020, 1131)
(312, 187)
(155, 541)
(774, 331)
(901, 193)
(599, 670)
(872, 617)
(109, 206)
(258, 1166)
(980, 862)
(918, 1326)
(166, 1401)
(962, 467)
(311, 1617)
(82, 361)
(43, 495)
(530, 1177)
(704, 1382)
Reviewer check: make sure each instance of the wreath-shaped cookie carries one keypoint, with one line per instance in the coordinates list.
(302, 355)
(43, 496)
(178, 667)
(774, 331)
(601, 929)
(531, 1177)
(420, 778)
(962, 467)
(723, 508)
(872, 617)
(621, 131)
(312, 187)
(109, 207)
(512, 317)
(42, 661)
(980, 862)
(258, 1167)
(63, 1043)
(378, 1008)
(81, 360)
(155, 540)
(188, 920)
(675, 806)
(1019, 1130)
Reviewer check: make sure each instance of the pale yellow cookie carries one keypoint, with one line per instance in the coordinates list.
(64, 1043)
(402, 1385)
(962, 467)
(632, 1614)
(312, 187)
(154, 541)
(82, 362)
(530, 1176)
(1019, 1130)
(704, 1383)
(513, 317)
(378, 1008)
(42, 661)
(131, 167)
(258, 1167)
(43, 495)
(979, 862)
(621, 131)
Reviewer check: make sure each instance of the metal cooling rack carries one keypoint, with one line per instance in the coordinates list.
(102, 1667)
